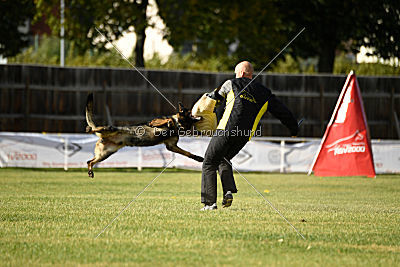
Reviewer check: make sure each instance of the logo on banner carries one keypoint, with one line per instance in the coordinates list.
(16, 155)
(274, 156)
(242, 157)
(347, 145)
(72, 149)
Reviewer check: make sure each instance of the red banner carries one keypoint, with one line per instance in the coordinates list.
(345, 149)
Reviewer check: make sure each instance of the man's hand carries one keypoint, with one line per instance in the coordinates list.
(215, 95)
(300, 122)
(298, 126)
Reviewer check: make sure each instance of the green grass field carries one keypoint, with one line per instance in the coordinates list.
(52, 217)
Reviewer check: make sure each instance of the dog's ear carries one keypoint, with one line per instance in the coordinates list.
(181, 107)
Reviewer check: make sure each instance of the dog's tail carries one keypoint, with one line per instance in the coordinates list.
(89, 113)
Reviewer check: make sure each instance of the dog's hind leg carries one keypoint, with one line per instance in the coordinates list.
(172, 146)
(102, 151)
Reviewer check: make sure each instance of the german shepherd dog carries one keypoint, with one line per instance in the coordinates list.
(160, 130)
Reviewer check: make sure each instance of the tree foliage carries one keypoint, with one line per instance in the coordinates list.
(261, 28)
(342, 25)
(218, 28)
(12, 18)
(343, 65)
(381, 29)
(113, 18)
(48, 53)
(221, 32)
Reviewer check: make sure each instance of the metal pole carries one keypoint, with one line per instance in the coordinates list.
(140, 159)
(65, 154)
(62, 33)
(282, 164)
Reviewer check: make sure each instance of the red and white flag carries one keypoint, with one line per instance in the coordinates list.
(345, 149)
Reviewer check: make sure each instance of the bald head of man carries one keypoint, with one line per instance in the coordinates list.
(244, 69)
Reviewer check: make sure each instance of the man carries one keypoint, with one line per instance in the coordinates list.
(246, 102)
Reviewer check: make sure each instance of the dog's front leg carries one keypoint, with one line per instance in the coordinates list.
(176, 149)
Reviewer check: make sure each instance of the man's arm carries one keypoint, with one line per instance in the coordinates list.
(281, 112)
(220, 93)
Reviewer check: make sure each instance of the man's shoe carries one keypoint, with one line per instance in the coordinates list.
(227, 200)
(209, 207)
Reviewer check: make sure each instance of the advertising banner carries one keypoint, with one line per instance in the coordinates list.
(34, 150)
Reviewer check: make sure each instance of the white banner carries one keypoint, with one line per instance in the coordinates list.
(36, 150)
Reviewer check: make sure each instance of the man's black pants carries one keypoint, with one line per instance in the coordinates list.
(220, 149)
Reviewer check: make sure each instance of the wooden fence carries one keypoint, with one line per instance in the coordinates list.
(52, 99)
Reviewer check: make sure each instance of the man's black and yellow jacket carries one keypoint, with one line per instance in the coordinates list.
(245, 104)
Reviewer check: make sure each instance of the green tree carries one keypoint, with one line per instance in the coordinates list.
(113, 18)
(259, 29)
(217, 28)
(342, 25)
(48, 52)
(381, 29)
(12, 18)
